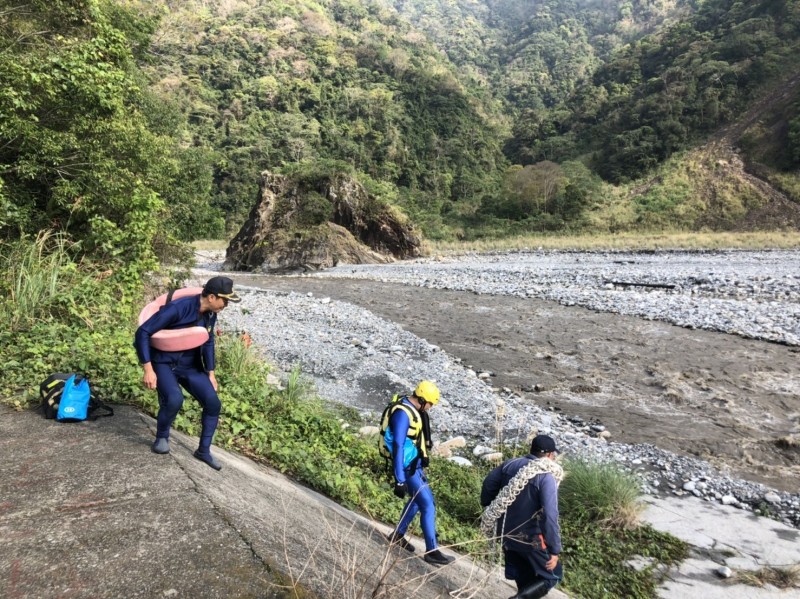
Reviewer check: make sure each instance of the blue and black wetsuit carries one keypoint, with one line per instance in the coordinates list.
(410, 471)
(531, 534)
(188, 369)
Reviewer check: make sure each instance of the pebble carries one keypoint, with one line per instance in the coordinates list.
(480, 450)
(495, 457)
(724, 572)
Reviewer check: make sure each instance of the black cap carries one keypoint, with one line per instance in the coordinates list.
(543, 444)
(221, 287)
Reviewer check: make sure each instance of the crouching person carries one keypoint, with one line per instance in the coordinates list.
(192, 369)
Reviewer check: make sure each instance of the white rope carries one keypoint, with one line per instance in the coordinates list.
(509, 493)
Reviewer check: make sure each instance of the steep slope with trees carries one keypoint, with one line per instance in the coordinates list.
(83, 147)
(669, 90)
(533, 54)
(740, 179)
(267, 84)
(710, 76)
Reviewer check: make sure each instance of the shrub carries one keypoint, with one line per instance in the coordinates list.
(601, 493)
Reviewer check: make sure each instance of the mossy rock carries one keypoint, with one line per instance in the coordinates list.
(313, 223)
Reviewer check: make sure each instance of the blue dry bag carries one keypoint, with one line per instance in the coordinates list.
(74, 403)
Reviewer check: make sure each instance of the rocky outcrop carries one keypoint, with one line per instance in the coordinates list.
(311, 223)
(321, 247)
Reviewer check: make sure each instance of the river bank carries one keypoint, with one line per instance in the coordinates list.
(694, 412)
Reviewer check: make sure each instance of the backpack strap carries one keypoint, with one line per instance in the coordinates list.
(413, 415)
(170, 293)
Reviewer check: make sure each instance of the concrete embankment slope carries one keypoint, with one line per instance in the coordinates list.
(723, 536)
(86, 510)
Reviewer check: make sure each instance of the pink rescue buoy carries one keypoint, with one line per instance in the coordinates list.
(174, 339)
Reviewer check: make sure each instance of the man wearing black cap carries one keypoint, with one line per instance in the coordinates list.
(193, 369)
(521, 497)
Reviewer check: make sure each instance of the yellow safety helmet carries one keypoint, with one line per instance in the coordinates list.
(428, 392)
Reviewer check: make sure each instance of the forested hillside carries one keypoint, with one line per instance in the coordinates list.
(433, 103)
(279, 84)
(473, 117)
(533, 54)
(670, 90)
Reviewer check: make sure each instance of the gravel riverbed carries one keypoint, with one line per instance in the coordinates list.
(752, 294)
(360, 359)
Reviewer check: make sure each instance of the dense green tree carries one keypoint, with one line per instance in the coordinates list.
(82, 146)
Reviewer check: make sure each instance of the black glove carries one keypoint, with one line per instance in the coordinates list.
(400, 489)
(425, 462)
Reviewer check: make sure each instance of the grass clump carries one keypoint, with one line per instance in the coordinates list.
(42, 283)
(602, 493)
(782, 578)
(600, 509)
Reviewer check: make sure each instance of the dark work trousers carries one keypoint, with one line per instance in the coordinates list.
(529, 566)
(185, 373)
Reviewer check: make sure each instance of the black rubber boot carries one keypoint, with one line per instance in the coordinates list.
(400, 541)
(538, 589)
(160, 445)
(438, 558)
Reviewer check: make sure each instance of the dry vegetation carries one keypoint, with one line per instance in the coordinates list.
(782, 578)
(339, 563)
(629, 241)
(621, 241)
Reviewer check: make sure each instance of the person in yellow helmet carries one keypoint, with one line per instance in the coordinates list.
(408, 440)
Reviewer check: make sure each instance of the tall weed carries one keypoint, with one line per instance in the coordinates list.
(298, 388)
(235, 355)
(601, 493)
(37, 273)
(42, 283)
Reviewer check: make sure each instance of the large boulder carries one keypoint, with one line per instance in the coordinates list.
(315, 222)
(321, 247)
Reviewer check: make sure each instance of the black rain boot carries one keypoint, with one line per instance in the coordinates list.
(203, 452)
(538, 589)
(400, 540)
(437, 558)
